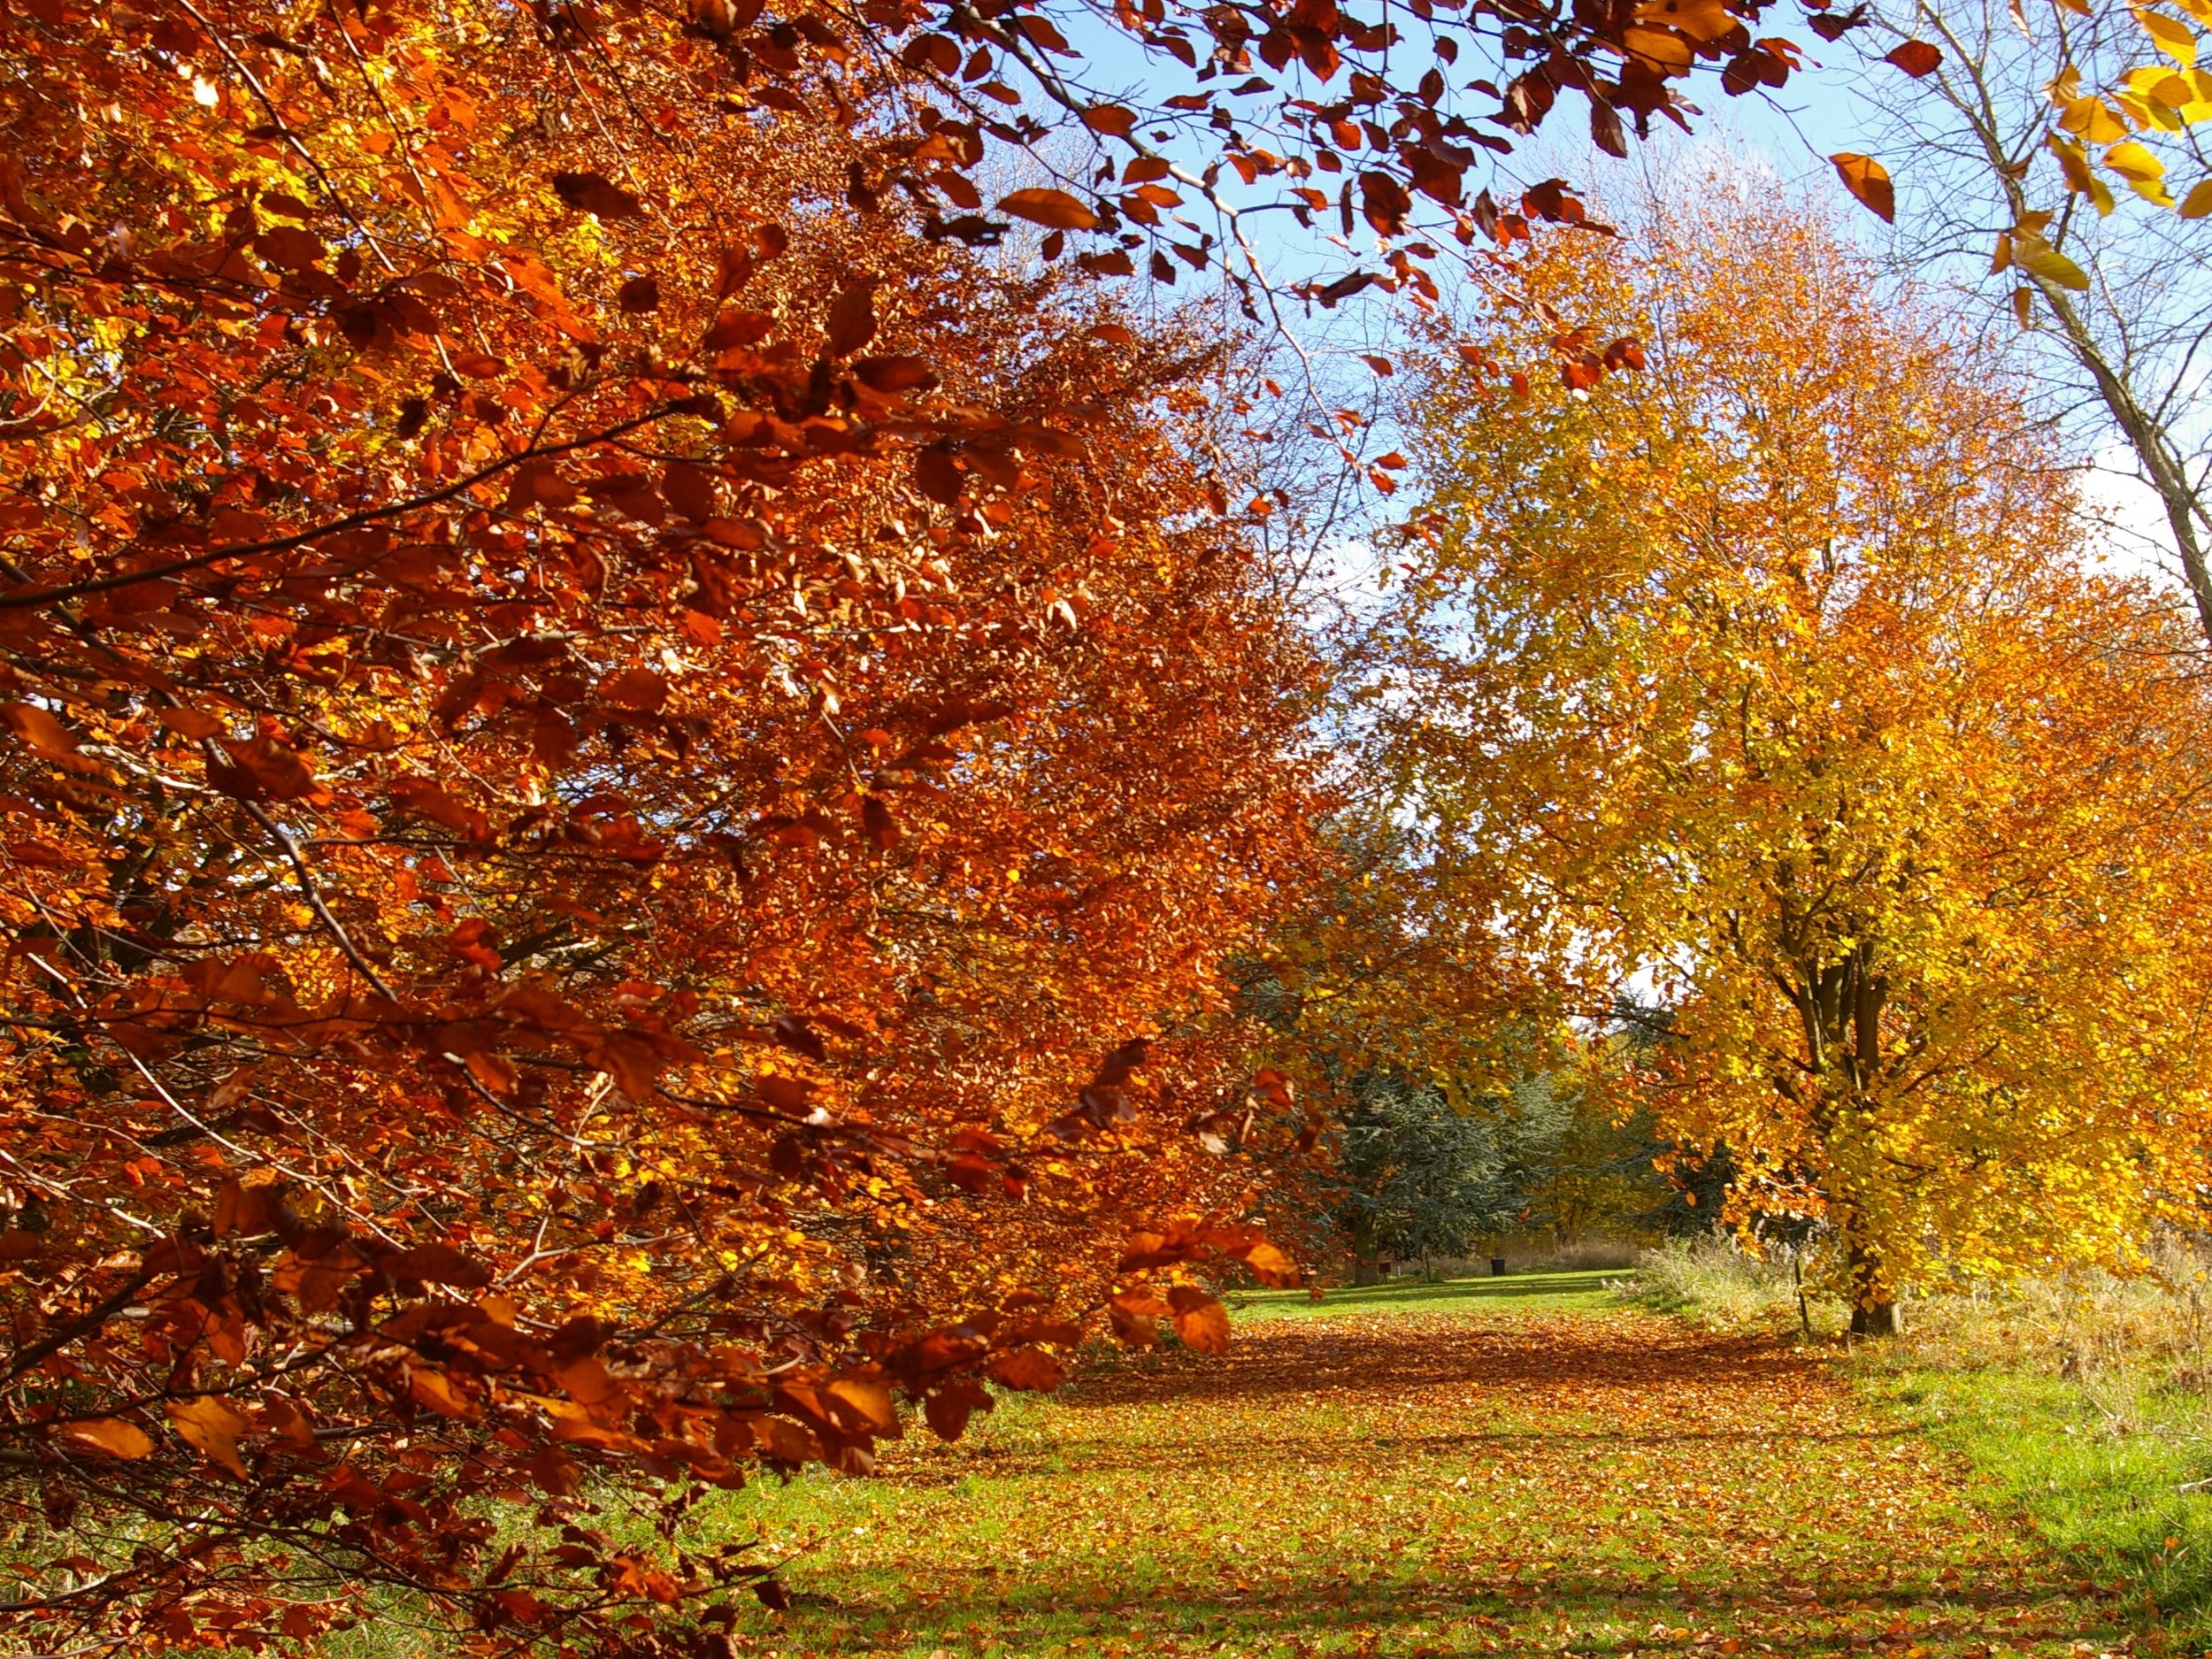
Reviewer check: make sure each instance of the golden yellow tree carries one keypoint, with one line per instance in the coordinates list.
(1773, 680)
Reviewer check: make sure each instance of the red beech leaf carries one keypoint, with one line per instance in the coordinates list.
(1916, 59)
(1027, 1370)
(1055, 209)
(596, 193)
(436, 1264)
(852, 318)
(891, 375)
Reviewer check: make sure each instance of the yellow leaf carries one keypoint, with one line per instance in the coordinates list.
(2161, 86)
(2073, 161)
(2094, 121)
(2134, 162)
(2145, 174)
(2172, 37)
(2141, 113)
(1662, 49)
(2051, 265)
(2197, 202)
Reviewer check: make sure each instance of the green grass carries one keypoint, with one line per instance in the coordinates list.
(1517, 1466)
(1583, 1290)
(2104, 1494)
(1481, 1467)
(2077, 1408)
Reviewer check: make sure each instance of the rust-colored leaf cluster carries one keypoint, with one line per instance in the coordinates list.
(602, 728)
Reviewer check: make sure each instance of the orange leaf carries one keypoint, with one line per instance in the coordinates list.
(211, 1427)
(866, 1399)
(1868, 179)
(1202, 1322)
(38, 728)
(1028, 1368)
(1110, 118)
(112, 1436)
(1055, 209)
(438, 1391)
(1271, 1266)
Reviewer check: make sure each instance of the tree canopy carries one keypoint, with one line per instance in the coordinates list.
(1775, 678)
(627, 781)
(644, 742)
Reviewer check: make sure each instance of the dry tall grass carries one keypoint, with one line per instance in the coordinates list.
(2081, 1402)
(2118, 1337)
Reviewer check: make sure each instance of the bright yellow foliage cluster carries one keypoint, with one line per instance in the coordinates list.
(2168, 94)
(1773, 685)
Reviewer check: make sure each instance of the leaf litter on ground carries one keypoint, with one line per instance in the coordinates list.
(1428, 1479)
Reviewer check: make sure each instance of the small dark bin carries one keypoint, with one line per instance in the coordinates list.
(1497, 1267)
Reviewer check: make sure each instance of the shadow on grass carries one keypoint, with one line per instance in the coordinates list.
(1271, 1359)
(1330, 1573)
(1317, 1609)
(1579, 1285)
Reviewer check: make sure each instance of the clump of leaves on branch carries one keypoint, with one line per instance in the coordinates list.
(611, 756)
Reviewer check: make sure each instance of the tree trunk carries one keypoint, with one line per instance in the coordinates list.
(1880, 1318)
(1874, 1310)
(1366, 1255)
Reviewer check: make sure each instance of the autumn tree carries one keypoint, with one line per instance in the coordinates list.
(1766, 672)
(621, 736)
(627, 776)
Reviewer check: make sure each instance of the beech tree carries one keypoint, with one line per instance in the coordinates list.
(1771, 675)
(625, 781)
(621, 739)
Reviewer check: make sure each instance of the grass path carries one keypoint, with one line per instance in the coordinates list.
(1511, 1467)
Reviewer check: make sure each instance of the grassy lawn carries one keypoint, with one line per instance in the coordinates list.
(2103, 1486)
(1508, 1466)
(2079, 1406)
